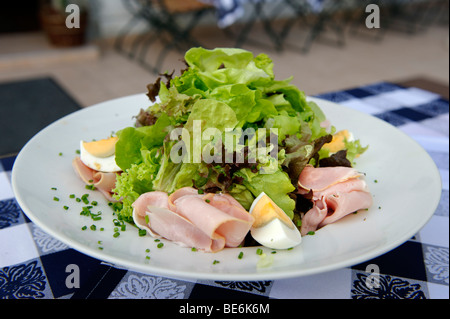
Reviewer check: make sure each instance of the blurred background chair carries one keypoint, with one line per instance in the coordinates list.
(168, 21)
(317, 16)
(279, 17)
(256, 13)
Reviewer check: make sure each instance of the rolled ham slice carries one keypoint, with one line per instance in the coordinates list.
(320, 178)
(336, 192)
(180, 193)
(151, 212)
(140, 206)
(207, 222)
(343, 204)
(104, 182)
(213, 221)
(312, 219)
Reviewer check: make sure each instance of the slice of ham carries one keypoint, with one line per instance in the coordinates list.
(343, 204)
(213, 221)
(318, 179)
(207, 222)
(314, 217)
(346, 186)
(230, 205)
(140, 206)
(156, 198)
(104, 182)
(167, 224)
(151, 212)
(180, 193)
(336, 192)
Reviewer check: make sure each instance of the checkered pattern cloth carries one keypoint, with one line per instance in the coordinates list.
(33, 264)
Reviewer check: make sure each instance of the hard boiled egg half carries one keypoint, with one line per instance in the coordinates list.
(100, 155)
(272, 227)
(338, 141)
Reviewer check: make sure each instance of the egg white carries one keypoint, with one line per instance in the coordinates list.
(102, 164)
(275, 234)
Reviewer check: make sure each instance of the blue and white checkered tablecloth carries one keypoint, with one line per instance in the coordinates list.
(32, 263)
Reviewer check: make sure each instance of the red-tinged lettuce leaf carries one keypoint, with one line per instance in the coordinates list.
(298, 153)
(336, 159)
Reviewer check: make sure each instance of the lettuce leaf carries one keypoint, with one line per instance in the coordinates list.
(136, 180)
(212, 114)
(276, 185)
(172, 176)
(299, 152)
(222, 66)
(242, 195)
(354, 149)
(286, 125)
(132, 140)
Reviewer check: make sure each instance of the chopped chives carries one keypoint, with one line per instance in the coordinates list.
(93, 227)
(160, 245)
(54, 188)
(66, 207)
(84, 228)
(116, 234)
(241, 254)
(259, 251)
(142, 232)
(216, 262)
(84, 198)
(56, 199)
(72, 195)
(90, 187)
(193, 249)
(147, 219)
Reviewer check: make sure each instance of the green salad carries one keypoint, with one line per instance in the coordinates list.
(236, 94)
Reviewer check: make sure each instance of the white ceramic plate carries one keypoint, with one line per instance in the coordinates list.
(406, 195)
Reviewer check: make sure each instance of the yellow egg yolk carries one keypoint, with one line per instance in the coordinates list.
(266, 210)
(101, 148)
(338, 141)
